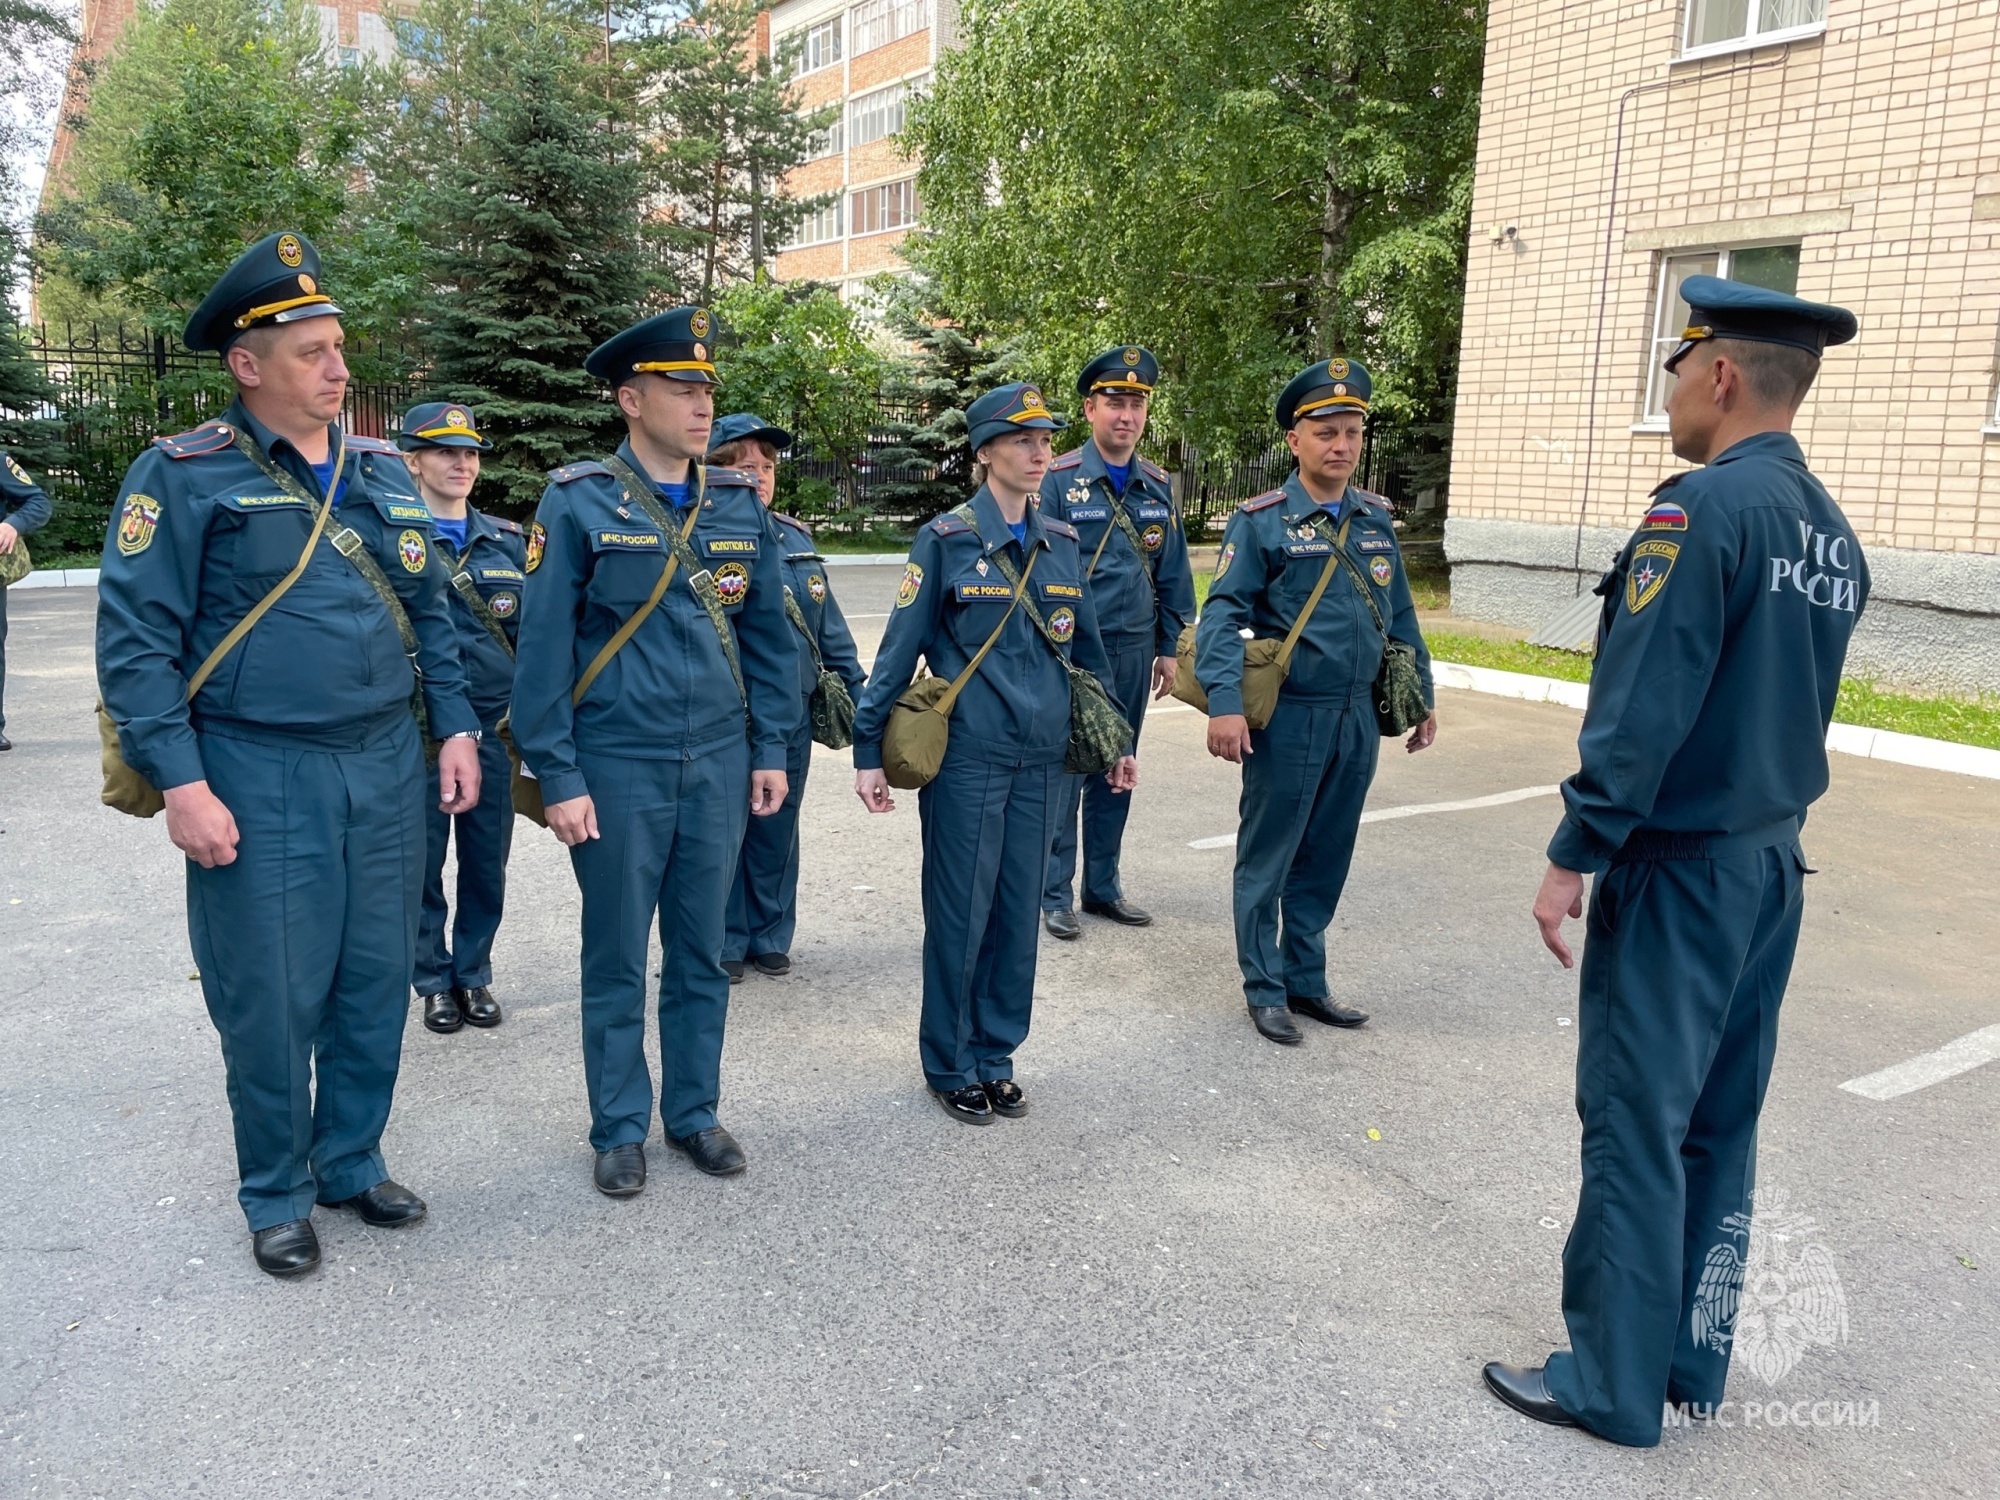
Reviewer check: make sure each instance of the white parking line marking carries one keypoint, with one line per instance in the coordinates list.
(1415, 809)
(1925, 1069)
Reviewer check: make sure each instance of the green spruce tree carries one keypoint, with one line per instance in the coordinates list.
(528, 202)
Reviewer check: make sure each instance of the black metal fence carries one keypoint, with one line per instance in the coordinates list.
(118, 388)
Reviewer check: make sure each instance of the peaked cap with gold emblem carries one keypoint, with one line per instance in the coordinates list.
(275, 281)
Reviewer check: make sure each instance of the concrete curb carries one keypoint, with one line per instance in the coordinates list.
(60, 578)
(1846, 739)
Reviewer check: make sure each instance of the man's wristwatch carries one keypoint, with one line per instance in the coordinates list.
(475, 735)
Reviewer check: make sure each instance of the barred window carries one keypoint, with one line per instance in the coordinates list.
(880, 22)
(875, 210)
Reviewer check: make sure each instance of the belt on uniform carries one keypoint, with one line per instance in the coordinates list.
(1661, 843)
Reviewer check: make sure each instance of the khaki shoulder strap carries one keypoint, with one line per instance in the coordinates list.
(257, 611)
(1312, 603)
(950, 695)
(630, 628)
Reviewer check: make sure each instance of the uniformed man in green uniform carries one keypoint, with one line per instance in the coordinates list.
(1725, 626)
(289, 756)
(1306, 774)
(23, 507)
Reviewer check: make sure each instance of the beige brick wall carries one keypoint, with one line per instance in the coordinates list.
(1873, 145)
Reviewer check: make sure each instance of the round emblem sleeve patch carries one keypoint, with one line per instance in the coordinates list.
(538, 538)
(732, 582)
(1154, 538)
(912, 584)
(816, 586)
(1222, 563)
(1062, 623)
(1380, 571)
(411, 549)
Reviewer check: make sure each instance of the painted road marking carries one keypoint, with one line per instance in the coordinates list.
(1927, 1068)
(1415, 809)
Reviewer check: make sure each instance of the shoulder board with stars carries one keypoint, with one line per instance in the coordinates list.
(1258, 502)
(370, 445)
(949, 525)
(719, 476)
(1373, 500)
(501, 523)
(589, 468)
(1670, 481)
(211, 437)
(1060, 528)
(1151, 470)
(1068, 460)
(792, 521)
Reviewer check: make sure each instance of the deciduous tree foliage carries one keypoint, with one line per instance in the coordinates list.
(215, 122)
(1239, 184)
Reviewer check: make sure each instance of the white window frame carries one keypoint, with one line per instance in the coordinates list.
(821, 228)
(1667, 334)
(830, 141)
(893, 19)
(901, 188)
(830, 29)
(1752, 38)
(891, 99)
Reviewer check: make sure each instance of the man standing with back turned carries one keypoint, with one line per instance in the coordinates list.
(1725, 625)
(288, 753)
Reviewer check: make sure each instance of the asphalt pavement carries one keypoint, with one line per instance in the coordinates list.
(1204, 1265)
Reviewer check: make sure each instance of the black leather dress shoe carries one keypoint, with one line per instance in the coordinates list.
(1275, 1022)
(478, 1006)
(441, 1012)
(1325, 1011)
(1121, 911)
(713, 1150)
(7, 744)
(1527, 1391)
(1061, 923)
(969, 1105)
(733, 967)
(772, 963)
(1006, 1098)
(621, 1171)
(286, 1249)
(385, 1205)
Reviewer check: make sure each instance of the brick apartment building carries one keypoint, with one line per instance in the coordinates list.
(1849, 153)
(870, 57)
(350, 30)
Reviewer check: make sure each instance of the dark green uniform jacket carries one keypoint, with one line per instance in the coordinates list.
(669, 694)
(1725, 623)
(1273, 551)
(199, 535)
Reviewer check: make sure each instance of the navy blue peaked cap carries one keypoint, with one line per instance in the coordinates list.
(441, 424)
(741, 426)
(1010, 408)
(275, 281)
(678, 344)
(1332, 385)
(1721, 309)
(1126, 368)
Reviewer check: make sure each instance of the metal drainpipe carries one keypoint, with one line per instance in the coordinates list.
(1604, 284)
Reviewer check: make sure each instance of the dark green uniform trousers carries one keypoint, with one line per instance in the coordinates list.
(1104, 811)
(986, 832)
(1304, 782)
(764, 899)
(304, 944)
(671, 831)
(1684, 969)
(484, 837)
